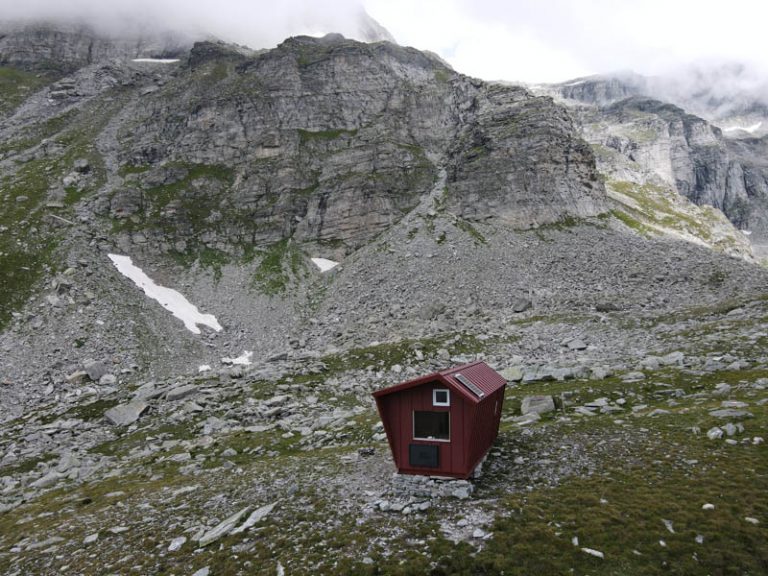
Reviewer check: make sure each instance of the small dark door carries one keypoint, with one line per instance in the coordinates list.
(424, 455)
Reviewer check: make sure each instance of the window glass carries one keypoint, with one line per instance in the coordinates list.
(431, 425)
(441, 397)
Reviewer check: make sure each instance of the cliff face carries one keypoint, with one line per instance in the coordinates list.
(330, 140)
(685, 150)
(228, 153)
(705, 164)
(65, 48)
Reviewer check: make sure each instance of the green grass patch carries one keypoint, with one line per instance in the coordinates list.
(282, 263)
(306, 136)
(632, 223)
(16, 85)
(468, 228)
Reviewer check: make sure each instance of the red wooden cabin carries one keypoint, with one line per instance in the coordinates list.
(444, 423)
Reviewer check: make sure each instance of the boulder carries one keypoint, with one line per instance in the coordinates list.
(521, 305)
(222, 529)
(126, 414)
(95, 370)
(730, 413)
(255, 517)
(512, 374)
(180, 392)
(577, 344)
(537, 405)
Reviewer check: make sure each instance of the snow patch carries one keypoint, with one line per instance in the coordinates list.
(168, 298)
(324, 264)
(204, 368)
(593, 552)
(156, 60)
(751, 129)
(243, 360)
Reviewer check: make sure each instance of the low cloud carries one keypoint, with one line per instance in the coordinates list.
(255, 24)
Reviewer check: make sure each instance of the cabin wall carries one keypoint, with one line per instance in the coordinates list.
(484, 428)
(397, 415)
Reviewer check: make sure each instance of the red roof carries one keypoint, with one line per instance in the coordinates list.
(476, 375)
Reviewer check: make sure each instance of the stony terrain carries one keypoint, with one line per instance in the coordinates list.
(470, 221)
(137, 480)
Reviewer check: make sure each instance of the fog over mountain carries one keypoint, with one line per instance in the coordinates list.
(548, 41)
(256, 24)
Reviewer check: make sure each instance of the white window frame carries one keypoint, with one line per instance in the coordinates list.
(413, 421)
(434, 397)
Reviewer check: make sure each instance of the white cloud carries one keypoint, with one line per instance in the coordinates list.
(528, 40)
(548, 40)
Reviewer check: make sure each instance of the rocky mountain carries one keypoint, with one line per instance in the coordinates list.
(61, 49)
(730, 95)
(227, 157)
(703, 159)
(210, 411)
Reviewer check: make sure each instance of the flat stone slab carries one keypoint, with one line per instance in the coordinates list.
(180, 392)
(537, 405)
(730, 413)
(223, 528)
(126, 414)
(512, 374)
(255, 517)
(526, 419)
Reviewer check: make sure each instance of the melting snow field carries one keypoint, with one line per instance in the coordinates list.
(156, 60)
(169, 299)
(324, 264)
(243, 360)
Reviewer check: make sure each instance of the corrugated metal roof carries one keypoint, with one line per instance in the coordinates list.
(478, 373)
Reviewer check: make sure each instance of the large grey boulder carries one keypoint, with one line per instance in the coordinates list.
(180, 392)
(537, 405)
(512, 374)
(95, 370)
(126, 414)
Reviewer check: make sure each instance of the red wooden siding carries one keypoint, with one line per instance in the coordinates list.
(474, 422)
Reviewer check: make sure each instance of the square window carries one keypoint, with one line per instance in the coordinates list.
(441, 397)
(432, 425)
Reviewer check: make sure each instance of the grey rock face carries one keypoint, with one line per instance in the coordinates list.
(65, 48)
(694, 155)
(337, 140)
(708, 166)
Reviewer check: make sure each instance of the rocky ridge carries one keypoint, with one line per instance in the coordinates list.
(636, 129)
(249, 163)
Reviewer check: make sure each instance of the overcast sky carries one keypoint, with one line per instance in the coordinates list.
(553, 40)
(518, 40)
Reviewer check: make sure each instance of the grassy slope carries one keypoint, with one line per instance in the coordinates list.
(29, 230)
(629, 472)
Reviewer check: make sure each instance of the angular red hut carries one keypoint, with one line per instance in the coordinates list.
(444, 423)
